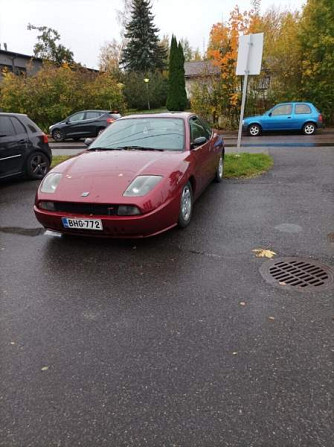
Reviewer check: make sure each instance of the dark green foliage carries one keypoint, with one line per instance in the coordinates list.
(135, 90)
(47, 48)
(317, 50)
(143, 52)
(177, 96)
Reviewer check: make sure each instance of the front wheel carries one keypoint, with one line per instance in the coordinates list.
(58, 135)
(309, 129)
(37, 165)
(254, 130)
(220, 170)
(186, 206)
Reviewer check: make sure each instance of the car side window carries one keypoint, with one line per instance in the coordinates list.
(206, 127)
(6, 127)
(302, 109)
(197, 129)
(92, 115)
(77, 117)
(284, 109)
(18, 126)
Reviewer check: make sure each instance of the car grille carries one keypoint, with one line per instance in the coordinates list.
(91, 209)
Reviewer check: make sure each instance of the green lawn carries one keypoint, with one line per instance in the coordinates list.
(236, 165)
(246, 165)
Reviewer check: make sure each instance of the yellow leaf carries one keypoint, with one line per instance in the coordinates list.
(45, 368)
(263, 253)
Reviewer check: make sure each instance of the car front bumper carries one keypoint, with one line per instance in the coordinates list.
(141, 226)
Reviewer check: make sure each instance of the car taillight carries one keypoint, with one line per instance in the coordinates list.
(320, 119)
(45, 138)
(110, 120)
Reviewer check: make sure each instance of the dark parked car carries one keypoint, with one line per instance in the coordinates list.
(87, 123)
(24, 148)
(139, 178)
(287, 116)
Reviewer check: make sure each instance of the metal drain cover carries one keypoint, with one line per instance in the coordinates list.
(298, 274)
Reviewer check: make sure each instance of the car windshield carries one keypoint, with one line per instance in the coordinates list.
(143, 134)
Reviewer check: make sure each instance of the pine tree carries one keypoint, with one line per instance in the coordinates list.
(177, 96)
(143, 52)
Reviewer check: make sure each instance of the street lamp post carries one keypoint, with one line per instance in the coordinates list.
(146, 80)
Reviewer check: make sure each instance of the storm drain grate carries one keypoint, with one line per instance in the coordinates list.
(298, 274)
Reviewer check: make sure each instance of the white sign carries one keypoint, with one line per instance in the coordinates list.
(250, 54)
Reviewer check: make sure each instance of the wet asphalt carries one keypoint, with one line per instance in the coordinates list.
(175, 340)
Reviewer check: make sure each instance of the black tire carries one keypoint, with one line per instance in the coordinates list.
(58, 135)
(220, 170)
(309, 129)
(37, 165)
(254, 130)
(186, 206)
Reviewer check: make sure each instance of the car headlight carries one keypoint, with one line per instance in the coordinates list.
(142, 185)
(50, 183)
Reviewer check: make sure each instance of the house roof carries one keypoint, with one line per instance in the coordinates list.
(200, 68)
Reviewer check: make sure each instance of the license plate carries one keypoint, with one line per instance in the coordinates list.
(82, 224)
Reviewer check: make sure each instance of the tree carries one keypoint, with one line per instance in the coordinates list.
(177, 96)
(317, 52)
(110, 56)
(187, 50)
(142, 52)
(47, 48)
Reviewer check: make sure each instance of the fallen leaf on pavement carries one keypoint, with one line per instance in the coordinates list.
(263, 253)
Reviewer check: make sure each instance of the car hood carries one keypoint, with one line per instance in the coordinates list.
(254, 118)
(105, 175)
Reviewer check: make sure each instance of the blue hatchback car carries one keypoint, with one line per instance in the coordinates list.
(286, 116)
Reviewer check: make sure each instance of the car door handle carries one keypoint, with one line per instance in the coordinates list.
(289, 117)
(22, 141)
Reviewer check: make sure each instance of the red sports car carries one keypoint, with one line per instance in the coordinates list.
(140, 177)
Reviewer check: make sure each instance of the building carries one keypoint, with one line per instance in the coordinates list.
(19, 63)
(199, 71)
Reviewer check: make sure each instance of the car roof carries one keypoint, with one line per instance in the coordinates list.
(13, 114)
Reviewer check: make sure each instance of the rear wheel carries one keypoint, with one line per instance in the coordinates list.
(37, 165)
(58, 135)
(309, 129)
(254, 130)
(186, 206)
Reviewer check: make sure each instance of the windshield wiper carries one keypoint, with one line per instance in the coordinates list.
(105, 149)
(141, 148)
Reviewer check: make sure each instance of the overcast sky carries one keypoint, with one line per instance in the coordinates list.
(86, 25)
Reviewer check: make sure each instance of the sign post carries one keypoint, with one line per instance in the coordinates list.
(249, 63)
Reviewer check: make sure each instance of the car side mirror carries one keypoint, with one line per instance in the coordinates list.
(269, 114)
(198, 142)
(88, 141)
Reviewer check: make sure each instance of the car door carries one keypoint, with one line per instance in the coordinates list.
(201, 155)
(92, 123)
(13, 146)
(76, 125)
(281, 118)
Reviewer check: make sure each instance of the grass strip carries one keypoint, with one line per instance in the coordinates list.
(245, 165)
(241, 165)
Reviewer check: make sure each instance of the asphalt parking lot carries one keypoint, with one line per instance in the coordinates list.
(175, 340)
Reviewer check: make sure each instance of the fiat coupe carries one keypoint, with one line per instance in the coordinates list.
(138, 178)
